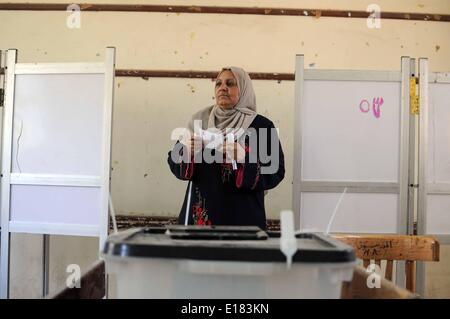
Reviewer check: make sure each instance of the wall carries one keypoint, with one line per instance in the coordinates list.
(146, 110)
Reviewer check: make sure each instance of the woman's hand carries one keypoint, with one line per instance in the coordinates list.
(234, 151)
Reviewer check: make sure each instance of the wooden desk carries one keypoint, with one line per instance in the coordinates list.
(92, 285)
(358, 289)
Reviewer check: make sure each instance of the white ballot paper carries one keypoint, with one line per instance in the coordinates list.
(211, 139)
(214, 140)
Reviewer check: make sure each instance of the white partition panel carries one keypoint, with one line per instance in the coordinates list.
(438, 215)
(56, 150)
(375, 213)
(56, 205)
(434, 171)
(439, 133)
(353, 134)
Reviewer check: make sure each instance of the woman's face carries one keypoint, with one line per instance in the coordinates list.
(227, 91)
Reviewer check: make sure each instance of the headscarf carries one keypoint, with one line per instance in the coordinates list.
(239, 118)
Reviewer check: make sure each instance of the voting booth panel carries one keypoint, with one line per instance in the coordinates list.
(53, 159)
(56, 150)
(434, 153)
(353, 136)
(358, 212)
(433, 217)
(434, 213)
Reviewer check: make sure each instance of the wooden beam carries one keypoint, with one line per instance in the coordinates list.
(135, 221)
(194, 74)
(316, 13)
(410, 275)
(389, 269)
(199, 74)
(393, 247)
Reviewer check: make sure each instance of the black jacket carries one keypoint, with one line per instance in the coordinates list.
(223, 196)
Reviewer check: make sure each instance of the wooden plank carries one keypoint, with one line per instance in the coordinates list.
(389, 269)
(393, 247)
(265, 11)
(192, 74)
(135, 221)
(366, 263)
(411, 275)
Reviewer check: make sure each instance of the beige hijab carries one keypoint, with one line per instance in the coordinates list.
(237, 119)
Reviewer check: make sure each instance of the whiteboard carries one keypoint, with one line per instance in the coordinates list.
(343, 138)
(437, 217)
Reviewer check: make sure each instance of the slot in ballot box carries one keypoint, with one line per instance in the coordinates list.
(224, 262)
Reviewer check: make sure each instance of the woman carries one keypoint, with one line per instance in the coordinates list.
(229, 191)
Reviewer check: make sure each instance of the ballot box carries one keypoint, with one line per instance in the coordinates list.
(224, 262)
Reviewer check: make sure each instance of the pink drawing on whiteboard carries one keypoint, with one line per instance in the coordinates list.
(377, 102)
(361, 106)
